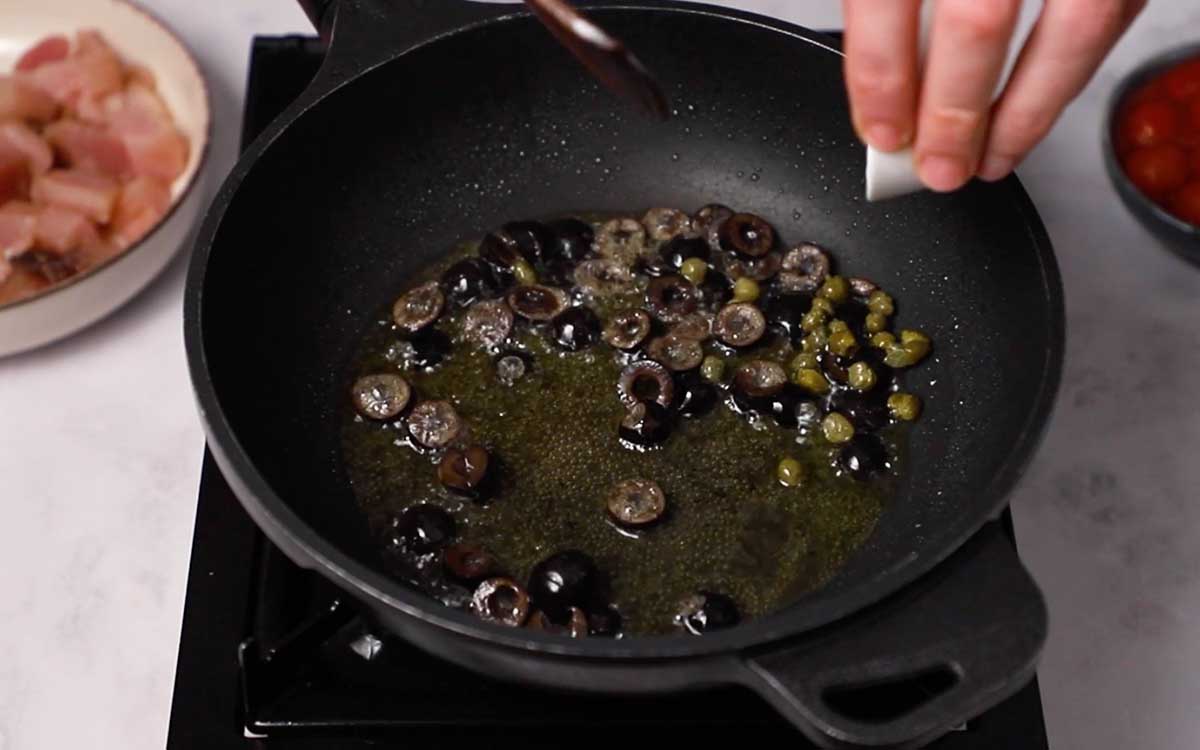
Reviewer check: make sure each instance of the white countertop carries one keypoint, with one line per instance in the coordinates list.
(100, 455)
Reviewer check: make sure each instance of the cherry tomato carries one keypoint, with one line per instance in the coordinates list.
(1192, 121)
(1183, 81)
(1194, 162)
(1157, 170)
(1185, 203)
(1154, 89)
(1152, 123)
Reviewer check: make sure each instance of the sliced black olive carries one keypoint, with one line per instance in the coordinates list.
(645, 425)
(501, 253)
(868, 412)
(707, 223)
(380, 396)
(671, 298)
(676, 251)
(557, 272)
(465, 470)
(676, 353)
(707, 611)
(539, 303)
(604, 277)
(429, 348)
(645, 381)
(790, 407)
(434, 424)
(747, 235)
(469, 562)
(864, 456)
(636, 502)
(785, 312)
(512, 366)
(423, 528)
(740, 324)
(502, 601)
(468, 281)
(664, 223)
(575, 626)
(622, 240)
(697, 326)
(655, 267)
(836, 368)
(487, 324)
(565, 579)
(694, 396)
(572, 239)
(576, 328)
(760, 378)
(805, 268)
(716, 289)
(759, 269)
(862, 288)
(418, 307)
(604, 621)
(627, 329)
(532, 237)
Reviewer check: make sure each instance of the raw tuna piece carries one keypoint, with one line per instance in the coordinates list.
(5, 270)
(102, 72)
(89, 147)
(63, 230)
(90, 194)
(21, 137)
(18, 223)
(14, 174)
(20, 100)
(50, 49)
(155, 146)
(143, 203)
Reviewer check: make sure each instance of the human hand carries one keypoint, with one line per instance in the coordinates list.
(947, 112)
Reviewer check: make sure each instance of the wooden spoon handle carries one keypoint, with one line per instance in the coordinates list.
(604, 55)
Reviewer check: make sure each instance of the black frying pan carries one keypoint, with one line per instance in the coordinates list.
(434, 120)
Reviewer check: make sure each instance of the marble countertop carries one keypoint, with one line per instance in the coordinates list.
(100, 455)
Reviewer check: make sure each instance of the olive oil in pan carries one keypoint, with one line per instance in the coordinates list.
(730, 525)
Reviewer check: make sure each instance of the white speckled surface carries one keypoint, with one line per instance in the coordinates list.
(100, 457)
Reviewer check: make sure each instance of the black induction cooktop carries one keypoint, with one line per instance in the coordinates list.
(273, 657)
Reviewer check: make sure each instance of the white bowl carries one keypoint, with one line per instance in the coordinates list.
(140, 38)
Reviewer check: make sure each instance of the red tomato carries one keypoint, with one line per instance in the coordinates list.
(1152, 123)
(1157, 170)
(1192, 121)
(1185, 203)
(1183, 81)
(1194, 161)
(1148, 91)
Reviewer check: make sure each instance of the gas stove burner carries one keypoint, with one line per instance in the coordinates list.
(273, 657)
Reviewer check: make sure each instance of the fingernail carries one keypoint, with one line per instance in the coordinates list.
(942, 173)
(995, 168)
(884, 136)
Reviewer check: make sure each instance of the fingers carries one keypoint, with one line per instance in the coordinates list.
(882, 70)
(1063, 51)
(968, 47)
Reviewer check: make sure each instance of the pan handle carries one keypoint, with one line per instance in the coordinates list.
(944, 651)
(363, 33)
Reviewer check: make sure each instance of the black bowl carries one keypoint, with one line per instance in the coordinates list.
(1176, 235)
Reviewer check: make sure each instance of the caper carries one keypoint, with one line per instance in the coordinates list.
(524, 273)
(913, 347)
(805, 360)
(694, 270)
(883, 339)
(909, 336)
(815, 341)
(713, 368)
(790, 472)
(835, 289)
(836, 326)
(745, 289)
(813, 320)
(842, 344)
(881, 302)
(823, 305)
(861, 377)
(837, 429)
(811, 380)
(904, 406)
(875, 322)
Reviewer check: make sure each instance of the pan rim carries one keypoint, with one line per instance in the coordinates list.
(277, 519)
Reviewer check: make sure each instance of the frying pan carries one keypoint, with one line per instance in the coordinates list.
(430, 121)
